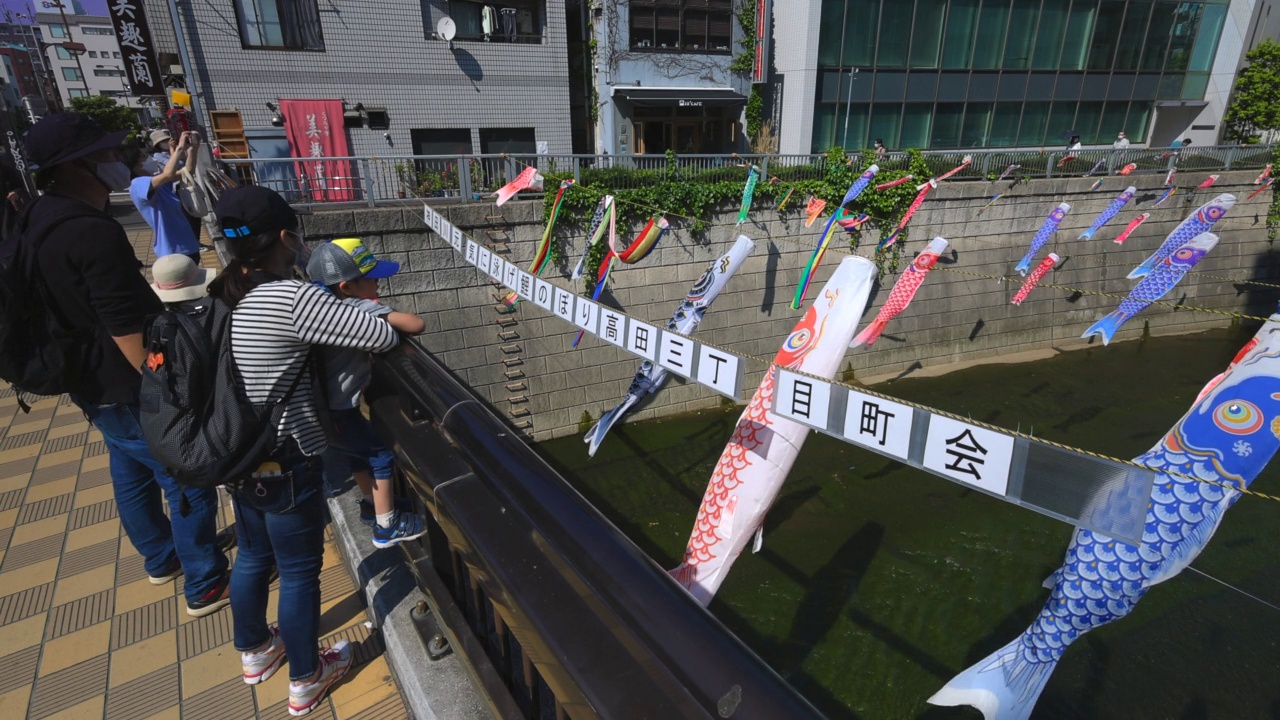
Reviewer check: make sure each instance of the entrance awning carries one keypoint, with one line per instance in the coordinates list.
(681, 97)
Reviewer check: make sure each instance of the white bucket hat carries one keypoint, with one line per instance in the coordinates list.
(178, 279)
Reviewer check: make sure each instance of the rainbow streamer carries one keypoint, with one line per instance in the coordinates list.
(1096, 184)
(539, 262)
(604, 219)
(1133, 225)
(606, 267)
(807, 276)
(748, 193)
(644, 243)
(1265, 185)
(1168, 193)
(852, 224)
(915, 205)
(895, 183)
(991, 202)
(785, 198)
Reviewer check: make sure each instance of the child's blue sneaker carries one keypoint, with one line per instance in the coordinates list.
(404, 527)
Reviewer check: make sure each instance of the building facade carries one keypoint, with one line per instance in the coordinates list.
(20, 41)
(97, 69)
(1005, 73)
(501, 84)
(663, 79)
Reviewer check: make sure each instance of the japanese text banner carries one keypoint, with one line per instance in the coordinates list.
(139, 54)
(314, 129)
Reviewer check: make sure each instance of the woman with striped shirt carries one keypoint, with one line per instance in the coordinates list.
(275, 321)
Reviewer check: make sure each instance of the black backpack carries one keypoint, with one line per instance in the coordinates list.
(38, 355)
(195, 415)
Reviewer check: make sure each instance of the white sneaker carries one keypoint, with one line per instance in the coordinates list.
(259, 667)
(334, 663)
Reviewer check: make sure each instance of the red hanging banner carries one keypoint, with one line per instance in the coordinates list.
(314, 129)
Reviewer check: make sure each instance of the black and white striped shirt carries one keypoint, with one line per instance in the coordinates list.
(272, 330)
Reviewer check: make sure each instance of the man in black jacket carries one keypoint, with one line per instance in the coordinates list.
(84, 258)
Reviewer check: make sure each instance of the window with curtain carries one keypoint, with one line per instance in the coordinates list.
(70, 73)
(696, 26)
(280, 24)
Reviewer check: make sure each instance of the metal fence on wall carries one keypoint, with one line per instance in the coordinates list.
(377, 180)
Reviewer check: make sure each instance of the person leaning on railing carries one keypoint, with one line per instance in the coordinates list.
(280, 510)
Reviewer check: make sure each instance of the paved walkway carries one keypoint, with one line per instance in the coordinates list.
(83, 632)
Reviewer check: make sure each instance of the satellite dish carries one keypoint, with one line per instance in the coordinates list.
(446, 29)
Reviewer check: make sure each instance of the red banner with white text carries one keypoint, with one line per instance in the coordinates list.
(314, 129)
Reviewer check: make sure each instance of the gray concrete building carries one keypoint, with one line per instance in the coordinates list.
(662, 77)
(501, 84)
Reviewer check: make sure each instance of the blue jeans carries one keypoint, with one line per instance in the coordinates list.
(280, 523)
(139, 480)
(355, 440)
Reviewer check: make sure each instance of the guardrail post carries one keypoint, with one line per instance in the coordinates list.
(1229, 155)
(464, 178)
(764, 168)
(366, 171)
(1048, 167)
(577, 168)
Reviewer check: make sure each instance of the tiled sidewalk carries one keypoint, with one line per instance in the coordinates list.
(83, 632)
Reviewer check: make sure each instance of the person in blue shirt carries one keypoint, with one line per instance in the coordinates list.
(154, 196)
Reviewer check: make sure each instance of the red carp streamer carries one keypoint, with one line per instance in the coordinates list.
(1128, 169)
(527, 178)
(1168, 179)
(1265, 185)
(1132, 226)
(1208, 182)
(895, 183)
(1266, 173)
(1066, 159)
(947, 175)
(813, 209)
(915, 205)
(1036, 276)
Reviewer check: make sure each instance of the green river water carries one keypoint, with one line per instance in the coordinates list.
(877, 582)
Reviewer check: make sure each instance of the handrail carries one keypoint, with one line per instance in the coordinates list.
(575, 615)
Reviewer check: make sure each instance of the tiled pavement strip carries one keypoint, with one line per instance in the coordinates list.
(84, 634)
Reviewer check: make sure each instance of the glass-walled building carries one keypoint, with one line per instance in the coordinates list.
(992, 73)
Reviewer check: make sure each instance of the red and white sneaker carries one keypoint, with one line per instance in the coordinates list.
(334, 663)
(259, 667)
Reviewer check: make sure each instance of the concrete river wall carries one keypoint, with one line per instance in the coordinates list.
(523, 364)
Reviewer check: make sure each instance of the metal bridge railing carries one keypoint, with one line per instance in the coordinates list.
(559, 613)
(385, 180)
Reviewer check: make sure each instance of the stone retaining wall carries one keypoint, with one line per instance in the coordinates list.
(523, 363)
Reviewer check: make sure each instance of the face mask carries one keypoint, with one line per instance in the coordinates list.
(115, 174)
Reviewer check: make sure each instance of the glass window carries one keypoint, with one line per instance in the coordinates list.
(513, 141)
(954, 86)
(1087, 118)
(93, 54)
(57, 30)
(78, 92)
(885, 120)
(992, 23)
(1035, 118)
(1022, 29)
(1195, 85)
(667, 29)
(1207, 38)
(1068, 86)
(70, 73)
(830, 32)
(1041, 86)
(916, 119)
(1144, 88)
(1053, 22)
(694, 36)
(1013, 86)
(958, 44)
(280, 24)
(890, 86)
(1129, 50)
(63, 53)
(1094, 87)
(1170, 86)
(982, 86)
(921, 87)
(1112, 121)
(859, 41)
(894, 21)
(1106, 34)
(1157, 41)
(1062, 120)
(946, 125)
(1075, 45)
(851, 127)
(976, 119)
(1138, 119)
(1004, 124)
(1121, 85)
(115, 55)
(926, 41)
(824, 128)
(1186, 23)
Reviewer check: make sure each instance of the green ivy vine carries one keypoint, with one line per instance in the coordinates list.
(744, 61)
(688, 195)
(755, 113)
(1273, 211)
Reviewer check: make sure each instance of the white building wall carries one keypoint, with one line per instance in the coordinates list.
(101, 50)
(795, 57)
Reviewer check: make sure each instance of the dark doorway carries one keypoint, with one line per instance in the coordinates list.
(512, 141)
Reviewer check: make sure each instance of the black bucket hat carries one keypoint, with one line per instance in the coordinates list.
(66, 136)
